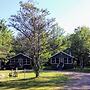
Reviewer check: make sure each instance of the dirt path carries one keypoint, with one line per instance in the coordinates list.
(80, 81)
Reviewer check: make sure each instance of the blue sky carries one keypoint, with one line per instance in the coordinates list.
(68, 13)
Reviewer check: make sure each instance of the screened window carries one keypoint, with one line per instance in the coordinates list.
(69, 60)
(53, 60)
(12, 61)
(61, 59)
(28, 61)
(65, 60)
(57, 60)
(24, 61)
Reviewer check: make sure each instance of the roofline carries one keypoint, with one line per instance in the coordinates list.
(68, 54)
(21, 54)
(63, 53)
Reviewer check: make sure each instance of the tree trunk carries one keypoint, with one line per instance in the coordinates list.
(37, 70)
(37, 74)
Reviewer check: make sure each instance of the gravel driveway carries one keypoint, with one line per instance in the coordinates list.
(79, 81)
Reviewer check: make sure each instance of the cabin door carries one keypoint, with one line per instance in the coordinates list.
(20, 60)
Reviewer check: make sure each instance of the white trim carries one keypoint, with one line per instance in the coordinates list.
(52, 61)
(64, 53)
(68, 61)
(71, 61)
(59, 60)
(20, 54)
(26, 60)
(56, 60)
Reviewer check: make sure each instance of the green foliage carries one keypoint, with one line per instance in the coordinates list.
(80, 44)
(57, 40)
(5, 40)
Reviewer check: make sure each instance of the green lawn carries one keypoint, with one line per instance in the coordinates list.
(49, 80)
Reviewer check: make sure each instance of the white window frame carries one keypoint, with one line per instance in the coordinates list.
(71, 61)
(12, 61)
(26, 62)
(52, 61)
(61, 59)
(56, 60)
(68, 62)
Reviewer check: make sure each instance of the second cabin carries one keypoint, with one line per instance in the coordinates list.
(60, 61)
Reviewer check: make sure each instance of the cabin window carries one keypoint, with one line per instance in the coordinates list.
(24, 61)
(28, 61)
(57, 60)
(53, 61)
(12, 61)
(61, 59)
(65, 60)
(69, 60)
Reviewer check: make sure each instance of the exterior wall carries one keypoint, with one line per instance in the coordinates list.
(61, 61)
(68, 66)
(20, 62)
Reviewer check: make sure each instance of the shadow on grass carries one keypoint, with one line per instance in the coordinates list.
(34, 82)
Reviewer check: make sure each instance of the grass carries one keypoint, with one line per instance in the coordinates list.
(47, 81)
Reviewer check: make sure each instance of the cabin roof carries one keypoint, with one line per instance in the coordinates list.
(63, 53)
(20, 54)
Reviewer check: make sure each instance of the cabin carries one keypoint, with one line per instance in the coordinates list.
(61, 61)
(19, 61)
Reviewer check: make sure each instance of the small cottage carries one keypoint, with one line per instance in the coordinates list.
(19, 61)
(61, 60)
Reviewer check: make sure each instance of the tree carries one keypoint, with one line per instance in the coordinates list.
(80, 44)
(34, 24)
(21, 44)
(6, 38)
(57, 40)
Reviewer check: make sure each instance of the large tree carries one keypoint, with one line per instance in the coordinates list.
(35, 25)
(80, 44)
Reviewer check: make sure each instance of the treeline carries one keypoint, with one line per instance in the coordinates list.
(40, 37)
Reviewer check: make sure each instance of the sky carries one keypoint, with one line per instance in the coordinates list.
(68, 13)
